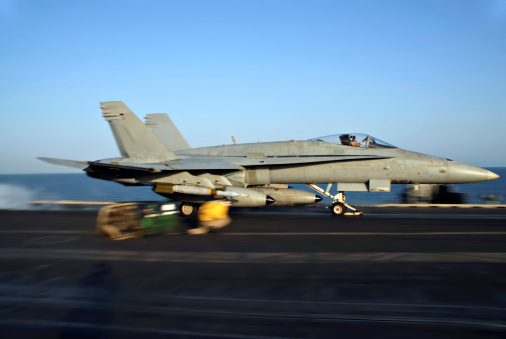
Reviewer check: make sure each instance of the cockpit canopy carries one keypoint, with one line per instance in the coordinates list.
(355, 140)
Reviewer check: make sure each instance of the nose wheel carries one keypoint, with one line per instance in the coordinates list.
(339, 207)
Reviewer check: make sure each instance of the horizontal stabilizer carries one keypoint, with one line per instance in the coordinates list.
(63, 162)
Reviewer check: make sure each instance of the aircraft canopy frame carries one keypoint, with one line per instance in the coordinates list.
(355, 140)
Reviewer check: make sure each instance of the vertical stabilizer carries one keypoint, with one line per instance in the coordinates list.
(134, 139)
(166, 131)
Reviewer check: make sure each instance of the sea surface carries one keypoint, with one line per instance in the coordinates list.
(17, 191)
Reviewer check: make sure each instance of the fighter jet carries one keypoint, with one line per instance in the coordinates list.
(258, 174)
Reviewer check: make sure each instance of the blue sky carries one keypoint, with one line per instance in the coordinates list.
(428, 76)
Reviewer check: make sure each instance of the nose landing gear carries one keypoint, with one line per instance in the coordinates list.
(339, 206)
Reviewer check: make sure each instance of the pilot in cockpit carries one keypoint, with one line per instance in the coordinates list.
(350, 140)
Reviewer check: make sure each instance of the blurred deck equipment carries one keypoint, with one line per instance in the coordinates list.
(492, 199)
(432, 194)
(138, 219)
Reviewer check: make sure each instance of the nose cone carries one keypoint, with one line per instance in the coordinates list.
(460, 173)
(492, 176)
(317, 198)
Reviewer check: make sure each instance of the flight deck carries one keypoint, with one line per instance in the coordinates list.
(272, 273)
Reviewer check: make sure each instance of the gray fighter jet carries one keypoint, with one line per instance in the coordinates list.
(257, 174)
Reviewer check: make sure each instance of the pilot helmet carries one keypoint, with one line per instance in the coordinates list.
(344, 139)
(352, 137)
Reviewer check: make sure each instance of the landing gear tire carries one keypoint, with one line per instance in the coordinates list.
(338, 208)
(188, 209)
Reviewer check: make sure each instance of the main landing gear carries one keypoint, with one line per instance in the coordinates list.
(339, 206)
(188, 209)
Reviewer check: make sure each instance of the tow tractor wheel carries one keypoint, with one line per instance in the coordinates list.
(338, 208)
(187, 209)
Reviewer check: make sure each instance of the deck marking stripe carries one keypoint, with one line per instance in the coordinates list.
(315, 233)
(45, 232)
(253, 257)
(359, 233)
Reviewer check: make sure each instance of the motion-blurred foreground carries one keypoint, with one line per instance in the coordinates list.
(393, 273)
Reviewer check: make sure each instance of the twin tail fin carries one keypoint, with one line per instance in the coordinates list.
(135, 140)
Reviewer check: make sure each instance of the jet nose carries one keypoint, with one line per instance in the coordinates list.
(460, 173)
(491, 176)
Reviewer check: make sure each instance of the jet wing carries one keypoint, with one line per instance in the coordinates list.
(203, 163)
(211, 163)
(238, 163)
(188, 164)
(150, 168)
(177, 165)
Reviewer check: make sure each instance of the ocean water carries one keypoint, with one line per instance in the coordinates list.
(17, 191)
